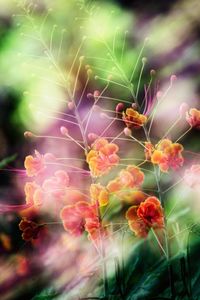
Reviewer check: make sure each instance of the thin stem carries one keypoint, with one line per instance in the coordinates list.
(159, 243)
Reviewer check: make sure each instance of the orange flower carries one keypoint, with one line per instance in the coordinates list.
(131, 177)
(99, 194)
(35, 165)
(167, 155)
(34, 194)
(192, 176)
(30, 230)
(133, 119)
(79, 217)
(147, 214)
(193, 118)
(102, 157)
(135, 223)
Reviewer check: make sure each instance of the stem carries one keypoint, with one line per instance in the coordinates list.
(170, 270)
(189, 266)
(159, 243)
(105, 280)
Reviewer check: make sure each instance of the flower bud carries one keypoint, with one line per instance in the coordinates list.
(173, 78)
(92, 136)
(127, 131)
(96, 93)
(64, 130)
(28, 134)
(70, 105)
(119, 107)
(134, 106)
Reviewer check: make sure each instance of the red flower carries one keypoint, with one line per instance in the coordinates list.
(151, 212)
(102, 157)
(79, 217)
(147, 214)
(30, 230)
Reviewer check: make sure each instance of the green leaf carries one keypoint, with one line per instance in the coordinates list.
(4, 162)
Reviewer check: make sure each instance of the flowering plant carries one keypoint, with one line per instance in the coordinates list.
(101, 176)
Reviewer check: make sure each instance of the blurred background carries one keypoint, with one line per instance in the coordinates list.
(30, 87)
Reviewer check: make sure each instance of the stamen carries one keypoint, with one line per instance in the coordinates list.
(89, 72)
(52, 34)
(89, 114)
(77, 75)
(144, 60)
(61, 42)
(75, 58)
(65, 132)
(123, 47)
(138, 59)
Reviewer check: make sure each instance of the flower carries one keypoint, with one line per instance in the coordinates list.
(29, 189)
(29, 229)
(34, 193)
(192, 176)
(133, 119)
(56, 185)
(135, 223)
(131, 177)
(151, 212)
(35, 165)
(102, 157)
(167, 155)
(79, 217)
(99, 194)
(193, 118)
(148, 214)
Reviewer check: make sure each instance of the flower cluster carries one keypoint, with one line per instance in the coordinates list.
(53, 187)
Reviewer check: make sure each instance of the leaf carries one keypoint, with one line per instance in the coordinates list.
(46, 294)
(4, 162)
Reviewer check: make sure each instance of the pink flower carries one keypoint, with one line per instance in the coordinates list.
(56, 185)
